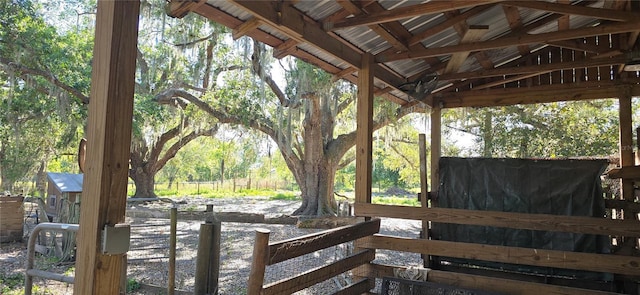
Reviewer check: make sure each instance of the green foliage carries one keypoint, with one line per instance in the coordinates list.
(393, 200)
(11, 282)
(132, 285)
(561, 129)
(289, 196)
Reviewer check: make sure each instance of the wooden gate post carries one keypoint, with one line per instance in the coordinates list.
(258, 262)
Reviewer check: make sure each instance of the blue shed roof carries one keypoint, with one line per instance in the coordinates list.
(66, 182)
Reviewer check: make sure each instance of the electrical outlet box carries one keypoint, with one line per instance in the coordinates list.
(115, 239)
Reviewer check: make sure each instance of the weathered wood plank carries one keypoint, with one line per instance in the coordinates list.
(287, 249)
(622, 204)
(477, 282)
(627, 172)
(545, 222)
(258, 262)
(314, 276)
(626, 265)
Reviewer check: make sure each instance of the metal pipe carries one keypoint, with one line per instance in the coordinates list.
(30, 272)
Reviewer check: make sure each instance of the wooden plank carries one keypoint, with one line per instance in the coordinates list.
(436, 143)
(109, 139)
(538, 94)
(472, 34)
(545, 222)
(299, 246)
(622, 204)
(447, 24)
(316, 275)
(359, 287)
(601, 13)
(424, 189)
(248, 26)
(499, 285)
(566, 65)
(628, 265)
(626, 151)
(364, 130)
(627, 172)
(556, 57)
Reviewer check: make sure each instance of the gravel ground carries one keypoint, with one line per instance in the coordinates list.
(149, 266)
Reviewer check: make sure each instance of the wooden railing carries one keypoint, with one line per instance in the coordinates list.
(617, 264)
(265, 253)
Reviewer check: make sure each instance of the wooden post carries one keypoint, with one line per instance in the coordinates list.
(436, 142)
(364, 130)
(171, 285)
(214, 261)
(626, 145)
(258, 262)
(203, 258)
(424, 189)
(109, 139)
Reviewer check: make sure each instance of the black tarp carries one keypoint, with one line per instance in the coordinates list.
(559, 187)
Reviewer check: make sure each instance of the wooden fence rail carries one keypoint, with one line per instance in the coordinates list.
(265, 253)
(544, 222)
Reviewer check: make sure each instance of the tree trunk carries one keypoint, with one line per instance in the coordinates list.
(144, 181)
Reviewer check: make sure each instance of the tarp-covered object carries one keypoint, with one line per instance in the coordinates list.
(559, 187)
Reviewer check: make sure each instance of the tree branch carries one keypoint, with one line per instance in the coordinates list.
(173, 150)
(15, 67)
(259, 71)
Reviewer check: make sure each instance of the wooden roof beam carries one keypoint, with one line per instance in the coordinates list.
(285, 48)
(515, 23)
(599, 13)
(613, 28)
(587, 63)
(179, 9)
(472, 34)
(405, 12)
(538, 94)
(378, 29)
(248, 26)
(447, 24)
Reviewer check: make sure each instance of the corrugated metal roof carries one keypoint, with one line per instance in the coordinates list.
(66, 182)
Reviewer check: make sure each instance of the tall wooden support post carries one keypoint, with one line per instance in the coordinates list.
(436, 142)
(626, 146)
(424, 189)
(364, 130)
(109, 139)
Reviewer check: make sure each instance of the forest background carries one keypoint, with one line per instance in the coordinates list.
(228, 118)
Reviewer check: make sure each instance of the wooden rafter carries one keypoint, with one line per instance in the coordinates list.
(472, 34)
(250, 25)
(594, 62)
(599, 13)
(537, 94)
(379, 29)
(614, 28)
(432, 7)
(515, 23)
(447, 24)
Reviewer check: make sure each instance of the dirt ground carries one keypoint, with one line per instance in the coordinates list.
(148, 262)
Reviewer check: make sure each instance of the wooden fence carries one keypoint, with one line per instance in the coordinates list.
(11, 219)
(610, 263)
(265, 253)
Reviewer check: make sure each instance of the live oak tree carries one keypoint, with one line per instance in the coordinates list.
(312, 120)
(42, 86)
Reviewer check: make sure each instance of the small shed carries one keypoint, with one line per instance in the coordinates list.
(63, 193)
(11, 219)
